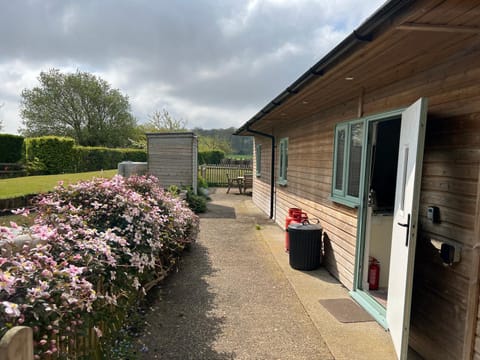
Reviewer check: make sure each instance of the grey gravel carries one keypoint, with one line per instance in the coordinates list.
(229, 299)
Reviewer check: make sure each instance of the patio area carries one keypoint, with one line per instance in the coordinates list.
(236, 297)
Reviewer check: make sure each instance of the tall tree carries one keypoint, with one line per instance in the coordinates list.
(162, 121)
(80, 105)
(241, 145)
(210, 143)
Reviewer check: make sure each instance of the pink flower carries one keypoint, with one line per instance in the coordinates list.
(11, 309)
(47, 273)
(74, 270)
(21, 211)
(98, 331)
(7, 282)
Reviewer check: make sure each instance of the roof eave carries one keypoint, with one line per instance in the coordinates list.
(364, 33)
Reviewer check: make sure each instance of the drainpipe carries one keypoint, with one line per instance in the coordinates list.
(272, 170)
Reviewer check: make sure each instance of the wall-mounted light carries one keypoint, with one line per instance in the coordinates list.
(349, 78)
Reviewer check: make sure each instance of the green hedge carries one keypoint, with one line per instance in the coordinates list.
(210, 157)
(98, 158)
(11, 148)
(50, 154)
(56, 155)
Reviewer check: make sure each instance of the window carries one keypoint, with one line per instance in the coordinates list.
(347, 162)
(258, 160)
(283, 161)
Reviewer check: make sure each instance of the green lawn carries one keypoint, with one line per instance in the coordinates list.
(39, 184)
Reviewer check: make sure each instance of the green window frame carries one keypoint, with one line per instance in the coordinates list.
(283, 161)
(348, 162)
(258, 160)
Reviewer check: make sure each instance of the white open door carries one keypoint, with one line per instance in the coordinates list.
(405, 218)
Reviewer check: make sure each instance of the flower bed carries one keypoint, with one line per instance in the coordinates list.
(103, 243)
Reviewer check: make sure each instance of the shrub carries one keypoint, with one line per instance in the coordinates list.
(197, 203)
(201, 182)
(210, 157)
(104, 243)
(55, 153)
(11, 148)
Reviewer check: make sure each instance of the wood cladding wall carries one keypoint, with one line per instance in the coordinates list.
(445, 318)
(173, 158)
(441, 294)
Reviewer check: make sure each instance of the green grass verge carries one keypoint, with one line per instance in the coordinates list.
(29, 185)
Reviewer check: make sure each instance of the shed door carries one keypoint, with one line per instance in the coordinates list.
(405, 219)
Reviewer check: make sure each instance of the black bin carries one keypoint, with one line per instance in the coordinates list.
(305, 246)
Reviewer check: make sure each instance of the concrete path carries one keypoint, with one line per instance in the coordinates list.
(235, 297)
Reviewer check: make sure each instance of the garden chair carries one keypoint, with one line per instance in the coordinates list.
(247, 182)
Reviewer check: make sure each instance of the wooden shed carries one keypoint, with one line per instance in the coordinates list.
(172, 157)
(380, 140)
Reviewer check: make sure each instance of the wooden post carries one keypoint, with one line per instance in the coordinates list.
(17, 344)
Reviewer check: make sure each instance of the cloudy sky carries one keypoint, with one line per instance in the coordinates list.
(213, 63)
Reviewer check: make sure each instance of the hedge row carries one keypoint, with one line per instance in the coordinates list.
(210, 157)
(56, 155)
(11, 148)
(50, 155)
(97, 158)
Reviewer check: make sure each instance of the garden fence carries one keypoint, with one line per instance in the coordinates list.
(216, 175)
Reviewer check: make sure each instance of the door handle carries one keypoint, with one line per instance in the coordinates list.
(407, 225)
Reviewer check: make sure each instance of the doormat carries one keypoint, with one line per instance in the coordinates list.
(346, 310)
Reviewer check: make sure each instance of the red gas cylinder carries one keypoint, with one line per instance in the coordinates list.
(373, 274)
(295, 215)
(292, 215)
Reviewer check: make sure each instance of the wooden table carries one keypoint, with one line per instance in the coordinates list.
(239, 180)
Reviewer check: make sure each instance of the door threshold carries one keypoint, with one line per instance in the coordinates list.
(371, 306)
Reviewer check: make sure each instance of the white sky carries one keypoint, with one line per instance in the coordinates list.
(213, 63)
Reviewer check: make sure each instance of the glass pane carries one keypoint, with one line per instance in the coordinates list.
(340, 151)
(404, 177)
(280, 173)
(354, 166)
(258, 157)
(283, 159)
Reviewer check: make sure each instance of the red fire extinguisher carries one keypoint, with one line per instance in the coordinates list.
(373, 274)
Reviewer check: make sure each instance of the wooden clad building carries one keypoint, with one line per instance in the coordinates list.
(380, 140)
(172, 157)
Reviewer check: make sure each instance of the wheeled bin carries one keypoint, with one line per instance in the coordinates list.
(305, 245)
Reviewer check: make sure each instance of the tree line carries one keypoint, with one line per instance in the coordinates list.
(86, 108)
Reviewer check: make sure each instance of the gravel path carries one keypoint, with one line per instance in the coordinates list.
(230, 299)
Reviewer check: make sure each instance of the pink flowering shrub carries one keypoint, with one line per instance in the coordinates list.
(102, 244)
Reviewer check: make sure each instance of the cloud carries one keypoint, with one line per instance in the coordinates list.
(214, 63)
